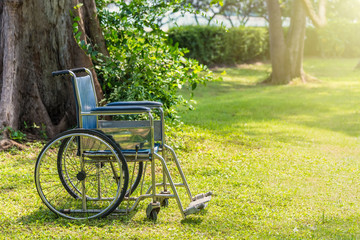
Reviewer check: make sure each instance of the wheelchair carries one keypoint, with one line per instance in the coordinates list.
(100, 167)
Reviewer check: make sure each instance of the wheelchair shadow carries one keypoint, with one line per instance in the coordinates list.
(45, 216)
(194, 219)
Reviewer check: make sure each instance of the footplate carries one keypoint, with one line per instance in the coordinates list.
(198, 203)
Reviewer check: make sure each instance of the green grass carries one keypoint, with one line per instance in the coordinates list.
(282, 161)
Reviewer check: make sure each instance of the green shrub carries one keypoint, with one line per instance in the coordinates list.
(246, 44)
(213, 45)
(336, 39)
(205, 43)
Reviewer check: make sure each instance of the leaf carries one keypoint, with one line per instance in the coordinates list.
(78, 36)
(193, 86)
(78, 6)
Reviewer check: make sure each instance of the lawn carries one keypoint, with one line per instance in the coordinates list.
(282, 161)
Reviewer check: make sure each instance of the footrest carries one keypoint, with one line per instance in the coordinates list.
(201, 195)
(199, 202)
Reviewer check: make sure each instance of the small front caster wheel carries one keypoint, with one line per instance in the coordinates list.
(165, 202)
(153, 210)
(153, 215)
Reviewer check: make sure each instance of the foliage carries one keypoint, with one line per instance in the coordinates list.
(241, 10)
(340, 36)
(336, 39)
(13, 134)
(205, 43)
(246, 44)
(141, 65)
(343, 10)
(214, 45)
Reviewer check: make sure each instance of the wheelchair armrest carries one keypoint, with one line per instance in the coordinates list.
(119, 110)
(148, 104)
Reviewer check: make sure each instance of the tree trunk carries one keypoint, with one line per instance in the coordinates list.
(287, 57)
(278, 49)
(296, 39)
(36, 38)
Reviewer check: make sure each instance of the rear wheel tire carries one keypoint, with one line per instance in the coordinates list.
(137, 179)
(81, 174)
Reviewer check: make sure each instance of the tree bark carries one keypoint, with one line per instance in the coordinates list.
(90, 25)
(36, 38)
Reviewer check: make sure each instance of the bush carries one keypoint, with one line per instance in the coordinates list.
(337, 39)
(142, 65)
(213, 45)
(205, 43)
(246, 43)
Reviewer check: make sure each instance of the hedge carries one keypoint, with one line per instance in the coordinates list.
(212, 45)
(337, 39)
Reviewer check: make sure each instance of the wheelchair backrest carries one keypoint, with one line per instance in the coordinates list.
(127, 133)
(85, 97)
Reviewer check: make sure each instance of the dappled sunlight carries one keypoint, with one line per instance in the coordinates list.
(245, 73)
(277, 173)
(337, 69)
(328, 105)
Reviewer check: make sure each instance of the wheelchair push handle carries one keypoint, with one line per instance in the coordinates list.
(65, 72)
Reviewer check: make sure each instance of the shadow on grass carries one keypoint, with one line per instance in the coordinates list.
(45, 216)
(241, 82)
(192, 220)
(227, 105)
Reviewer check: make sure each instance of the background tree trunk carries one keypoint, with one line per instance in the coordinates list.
(287, 58)
(278, 50)
(36, 38)
(296, 40)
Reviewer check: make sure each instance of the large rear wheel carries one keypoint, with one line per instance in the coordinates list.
(81, 174)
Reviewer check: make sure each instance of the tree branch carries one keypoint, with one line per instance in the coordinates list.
(319, 20)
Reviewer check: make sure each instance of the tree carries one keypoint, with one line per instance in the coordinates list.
(287, 53)
(346, 12)
(239, 9)
(36, 38)
(39, 37)
(242, 10)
